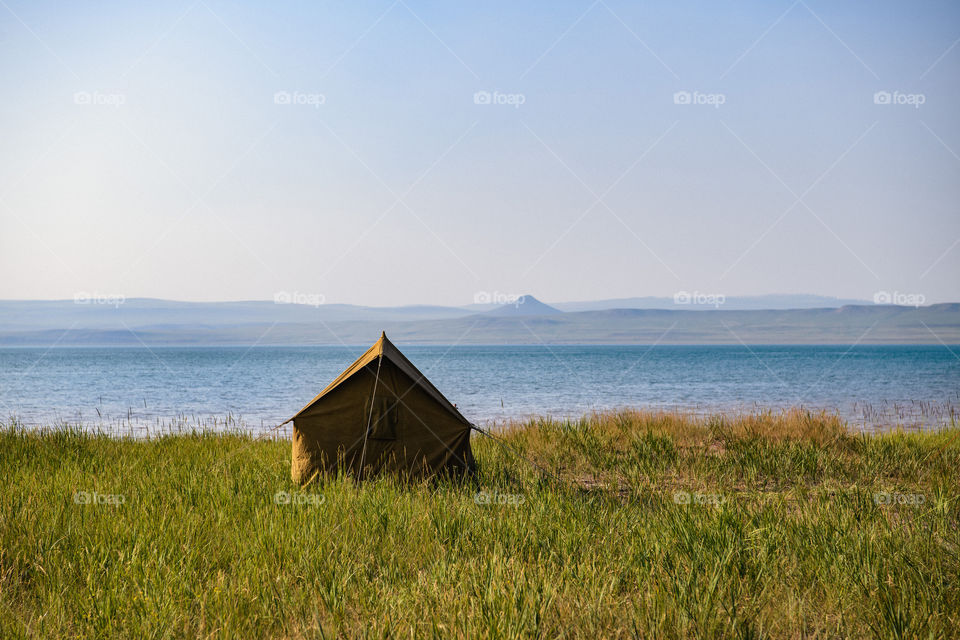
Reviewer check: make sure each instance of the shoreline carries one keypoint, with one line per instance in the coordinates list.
(929, 418)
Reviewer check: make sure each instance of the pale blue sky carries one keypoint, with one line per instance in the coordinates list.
(144, 154)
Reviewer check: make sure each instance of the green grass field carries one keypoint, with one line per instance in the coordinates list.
(663, 526)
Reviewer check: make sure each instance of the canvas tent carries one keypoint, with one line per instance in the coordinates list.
(380, 414)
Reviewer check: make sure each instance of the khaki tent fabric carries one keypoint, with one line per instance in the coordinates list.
(381, 414)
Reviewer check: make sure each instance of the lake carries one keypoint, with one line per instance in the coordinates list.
(258, 387)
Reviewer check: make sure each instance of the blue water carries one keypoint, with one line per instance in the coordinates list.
(872, 386)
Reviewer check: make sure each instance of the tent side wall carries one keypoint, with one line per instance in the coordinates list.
(331, 428)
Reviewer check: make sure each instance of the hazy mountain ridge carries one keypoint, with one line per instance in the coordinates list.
(532, 322)
(32, 315)
(737, 303)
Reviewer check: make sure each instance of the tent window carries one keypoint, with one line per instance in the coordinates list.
(383, 422)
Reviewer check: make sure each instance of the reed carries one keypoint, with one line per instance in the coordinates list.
(661, 524)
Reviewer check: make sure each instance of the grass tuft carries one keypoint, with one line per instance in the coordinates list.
(663, 524)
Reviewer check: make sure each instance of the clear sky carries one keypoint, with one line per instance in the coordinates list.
(410, 152)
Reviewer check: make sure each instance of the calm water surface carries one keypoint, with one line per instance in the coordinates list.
(262, 386)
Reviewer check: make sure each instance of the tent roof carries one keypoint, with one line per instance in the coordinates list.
(386, 349)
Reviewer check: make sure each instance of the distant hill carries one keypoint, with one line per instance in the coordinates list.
(696, 301)
(148, 312)
(158, 322)
(523, 306)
